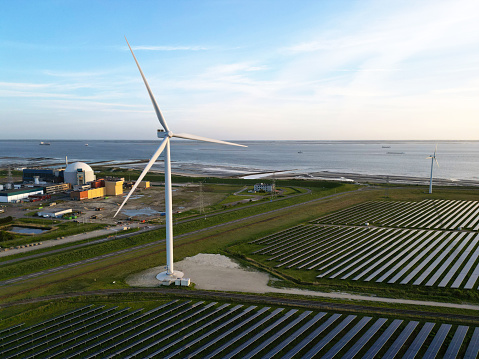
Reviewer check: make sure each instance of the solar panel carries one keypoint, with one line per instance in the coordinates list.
(328, 337)
(401, 339)
(456, 342)
(260, 334)
(311, 336)
(460, 278)
(458, 263)
(244, 333)
(230, 331)
(210, 333)
(346, 338)
(376, 347)
(418, 341)
(431, 255)
(439, 259)
(294, 336)
(276, 335)
(88, 333)
(192, 332)
(136, 330)
(437, 342)
(44, 338)
(448, 261)
(145, 338)
(53, 320)
(364, 339)
(473, 348)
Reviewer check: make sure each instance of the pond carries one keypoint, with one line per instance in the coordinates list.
(27, 230)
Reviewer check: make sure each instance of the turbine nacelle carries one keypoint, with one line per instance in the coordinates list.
(162, 133)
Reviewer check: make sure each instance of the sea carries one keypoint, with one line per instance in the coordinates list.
(458, 160)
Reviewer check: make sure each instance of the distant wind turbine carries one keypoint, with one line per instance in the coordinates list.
(433, 158)
(170, 274)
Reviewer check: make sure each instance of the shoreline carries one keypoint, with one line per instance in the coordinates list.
(225, 171)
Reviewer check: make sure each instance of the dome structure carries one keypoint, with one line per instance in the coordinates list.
(79, 173)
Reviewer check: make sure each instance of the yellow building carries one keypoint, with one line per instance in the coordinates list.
(113, 188)
(96, 192)
(144, 184)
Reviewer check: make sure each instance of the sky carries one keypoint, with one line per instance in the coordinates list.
(241, 69)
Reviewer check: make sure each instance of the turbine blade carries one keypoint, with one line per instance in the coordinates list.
(429, 157)
(204, 139)
(145, 171)
(153, 101)
(436, 161)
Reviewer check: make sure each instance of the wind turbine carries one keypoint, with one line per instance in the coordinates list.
(165, 134)
(433, 158)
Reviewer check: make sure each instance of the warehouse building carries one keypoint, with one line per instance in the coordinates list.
(16, 195)
(54, 213)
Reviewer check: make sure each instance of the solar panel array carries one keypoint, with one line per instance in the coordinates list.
(185, 329)
(427, 214)
(384, 255)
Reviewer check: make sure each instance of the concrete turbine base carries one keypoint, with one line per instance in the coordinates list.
(167, 279)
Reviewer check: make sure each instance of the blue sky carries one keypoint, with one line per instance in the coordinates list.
(313, 70)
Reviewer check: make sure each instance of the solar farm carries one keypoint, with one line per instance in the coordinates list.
(180, 329)
(427, 243)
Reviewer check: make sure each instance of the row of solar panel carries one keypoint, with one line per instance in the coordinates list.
(445, 259)
(207, 330)
(427, 214)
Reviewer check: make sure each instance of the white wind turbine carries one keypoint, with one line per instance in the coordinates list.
(433, 158)
(165, 135)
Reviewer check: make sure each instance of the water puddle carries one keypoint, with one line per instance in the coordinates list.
(140, 212)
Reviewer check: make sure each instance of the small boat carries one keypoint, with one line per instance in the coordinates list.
(386, 146)
(86, 144)
(45, 143)
(300, 151)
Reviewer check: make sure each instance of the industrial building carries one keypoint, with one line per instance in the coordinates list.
(16, 195)
(78, 174)
(99, 188)
(54, 213)
(45, 175)
(56, 188)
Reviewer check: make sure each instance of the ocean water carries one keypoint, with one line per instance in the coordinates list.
(457, 159)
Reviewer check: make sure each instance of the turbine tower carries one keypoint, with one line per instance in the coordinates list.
(165, 134)
(433, 158)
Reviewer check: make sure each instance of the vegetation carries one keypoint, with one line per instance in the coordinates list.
(5, 236)
(6, 220)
